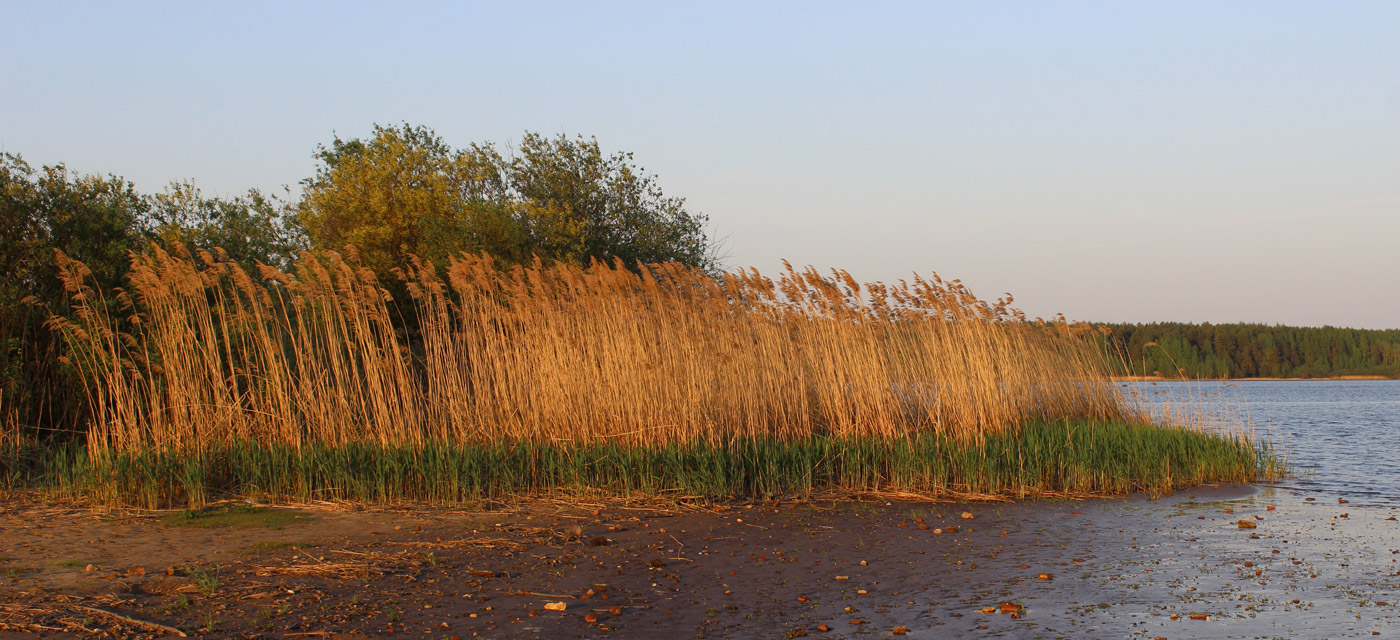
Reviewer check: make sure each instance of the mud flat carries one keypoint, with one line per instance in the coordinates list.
(1181, 566)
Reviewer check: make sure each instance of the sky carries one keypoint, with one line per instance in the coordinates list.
(1116, 162)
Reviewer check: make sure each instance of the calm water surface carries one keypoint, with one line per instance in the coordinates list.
(1340, 437)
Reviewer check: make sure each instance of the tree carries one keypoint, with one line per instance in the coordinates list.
(1252, 350)
(405, 191)
(252, 228)
(623, 211)
(92, 218)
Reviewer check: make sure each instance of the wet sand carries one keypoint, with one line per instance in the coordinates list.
(1102, 568)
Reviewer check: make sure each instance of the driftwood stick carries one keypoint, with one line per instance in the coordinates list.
(539, 595)
(139, 623)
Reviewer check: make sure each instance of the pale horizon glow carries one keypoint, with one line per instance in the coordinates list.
(1191, 162)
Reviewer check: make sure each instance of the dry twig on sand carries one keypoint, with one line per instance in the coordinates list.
(140, 623)
(490, 543)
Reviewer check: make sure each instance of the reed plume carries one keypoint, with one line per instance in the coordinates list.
(572, 362)
(562, 353)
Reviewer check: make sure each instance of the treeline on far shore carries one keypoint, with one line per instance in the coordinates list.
(1176, 350)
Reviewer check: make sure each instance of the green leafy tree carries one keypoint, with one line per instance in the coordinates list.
(92, 218)
(252, 228)
(404, 191)
(622, 210)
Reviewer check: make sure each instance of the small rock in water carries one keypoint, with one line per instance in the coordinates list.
(1246, 524)
(966, 515)
(555, 606)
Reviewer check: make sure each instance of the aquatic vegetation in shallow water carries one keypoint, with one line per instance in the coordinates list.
(1039, 459)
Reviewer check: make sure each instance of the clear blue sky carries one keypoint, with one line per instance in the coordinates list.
(1112, 161)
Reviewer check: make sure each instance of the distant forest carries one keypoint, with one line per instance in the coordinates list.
(1173, 350)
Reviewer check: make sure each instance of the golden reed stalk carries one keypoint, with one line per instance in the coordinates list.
(560, 353)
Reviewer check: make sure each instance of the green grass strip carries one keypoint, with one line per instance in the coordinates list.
(1079, 457)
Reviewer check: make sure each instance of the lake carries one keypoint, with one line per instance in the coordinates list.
(1340, 437)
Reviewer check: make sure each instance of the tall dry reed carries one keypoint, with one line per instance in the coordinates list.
(11, 436)
(559, 354)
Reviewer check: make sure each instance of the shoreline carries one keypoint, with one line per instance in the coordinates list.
(1178, 566)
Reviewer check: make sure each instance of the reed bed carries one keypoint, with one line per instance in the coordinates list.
(522, 379)
(1040, 459)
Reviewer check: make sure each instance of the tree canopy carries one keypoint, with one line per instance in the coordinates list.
(405, 191)
(93, 218)
(250, 228)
